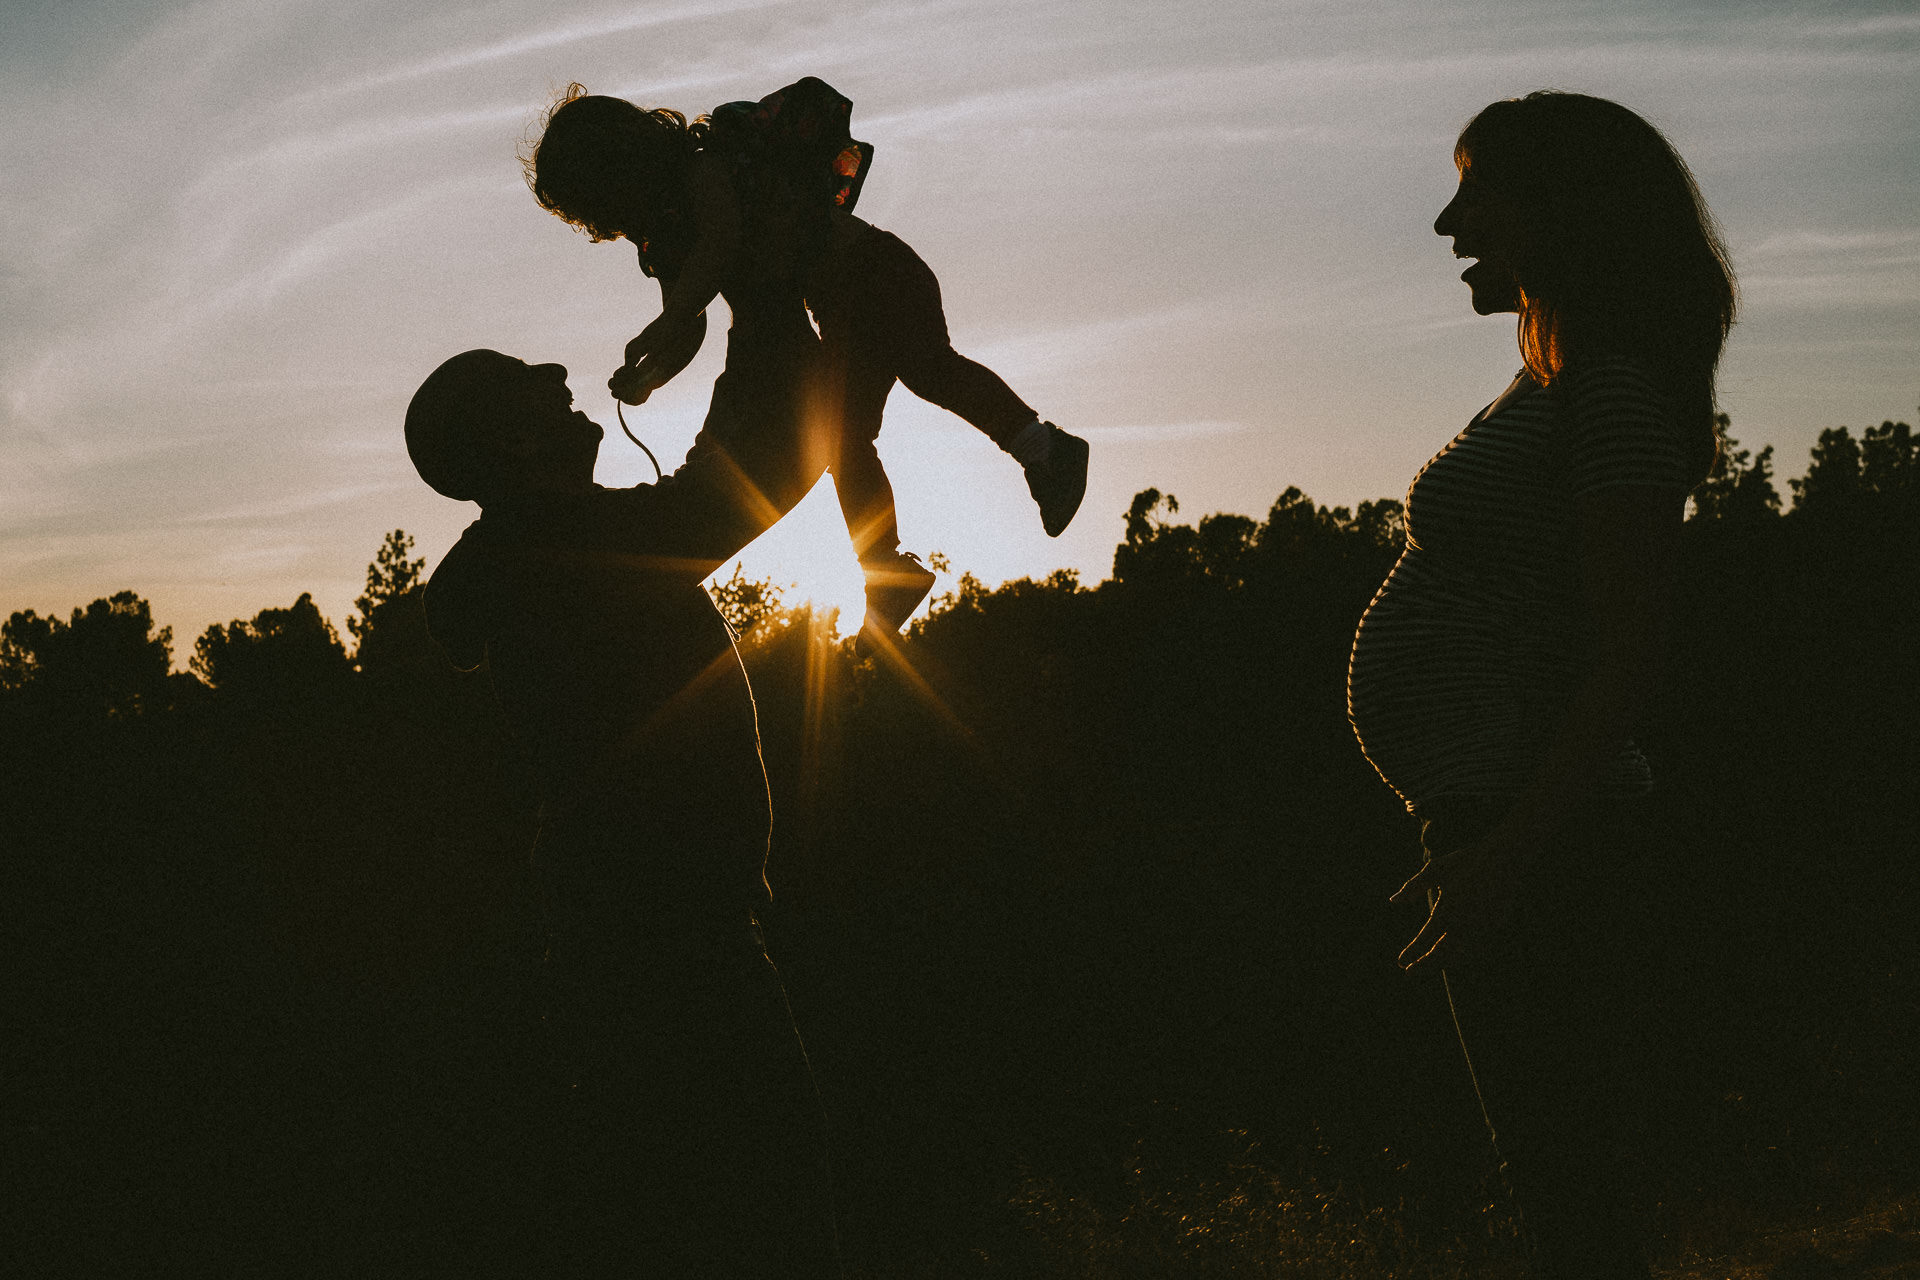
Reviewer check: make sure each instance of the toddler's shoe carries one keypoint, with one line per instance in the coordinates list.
(1059, 483)
(895, 588)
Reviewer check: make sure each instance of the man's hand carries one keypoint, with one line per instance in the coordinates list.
(1470, 893)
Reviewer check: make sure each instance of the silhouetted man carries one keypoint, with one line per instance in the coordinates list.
(683, 1136)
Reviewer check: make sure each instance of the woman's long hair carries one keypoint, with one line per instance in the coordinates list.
(1616, 252)
(598, 159)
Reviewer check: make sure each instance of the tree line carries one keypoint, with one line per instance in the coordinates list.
(1082, 910)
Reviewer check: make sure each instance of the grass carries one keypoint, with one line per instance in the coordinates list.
(1238, 1210)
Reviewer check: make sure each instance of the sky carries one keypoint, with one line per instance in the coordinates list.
(238, 233)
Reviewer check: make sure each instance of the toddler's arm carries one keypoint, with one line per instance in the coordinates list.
(633, 383)
(667, 345)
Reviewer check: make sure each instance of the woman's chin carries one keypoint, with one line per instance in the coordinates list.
(1492, 288)
(1493, 301)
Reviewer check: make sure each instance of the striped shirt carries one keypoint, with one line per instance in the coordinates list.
(1471, 649)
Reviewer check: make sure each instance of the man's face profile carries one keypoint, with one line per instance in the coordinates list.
(486, 424)
(528, 411)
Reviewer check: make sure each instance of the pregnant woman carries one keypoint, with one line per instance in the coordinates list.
(1497, 677)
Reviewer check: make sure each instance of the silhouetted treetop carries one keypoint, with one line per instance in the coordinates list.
(1833, 481)
(291, 648)
(1740, 486)
(747, 603)
(1890, 462)
(107, 660)
(1232, 551)
(1852, 477)
(1159, 552)
(390, 576)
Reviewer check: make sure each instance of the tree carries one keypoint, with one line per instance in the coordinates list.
(1890, 462)
(1299, 533)
(390, 625)
(1740, 486)
(390, 576)
(1833, 481)
(1382, 524)
(1849, 478)
(746, 603)
(1158, 551)
(280, 650)
(1298, 539)
(107, 660)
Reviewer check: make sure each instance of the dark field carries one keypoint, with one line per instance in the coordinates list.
(1085, 923)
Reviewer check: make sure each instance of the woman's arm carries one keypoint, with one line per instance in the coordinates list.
(1627, 541)
(1628, 537)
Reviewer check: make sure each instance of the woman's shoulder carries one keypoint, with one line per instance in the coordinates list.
(1611, 376)
(1621, 423)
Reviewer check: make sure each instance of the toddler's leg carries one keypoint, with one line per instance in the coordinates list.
(896, 321)
(859, 389)
(969, 389)
(856, 394)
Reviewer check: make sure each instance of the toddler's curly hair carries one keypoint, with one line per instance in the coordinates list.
(599, 160)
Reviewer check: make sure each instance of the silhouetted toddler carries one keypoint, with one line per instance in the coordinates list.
(754, 203)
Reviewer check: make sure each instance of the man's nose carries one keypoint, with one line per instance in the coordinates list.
(551, 372)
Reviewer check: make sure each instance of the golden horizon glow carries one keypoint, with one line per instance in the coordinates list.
(276, 261)
(809, 557)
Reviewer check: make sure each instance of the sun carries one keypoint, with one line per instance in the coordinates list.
(808, 555)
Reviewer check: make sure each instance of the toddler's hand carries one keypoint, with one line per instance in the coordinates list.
(632, 384)
(661, 350)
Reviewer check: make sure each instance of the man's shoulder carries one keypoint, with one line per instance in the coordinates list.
(461, 596)
(540, 518)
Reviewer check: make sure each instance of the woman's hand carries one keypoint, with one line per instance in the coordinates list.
(1627, 544)
(1470, 893)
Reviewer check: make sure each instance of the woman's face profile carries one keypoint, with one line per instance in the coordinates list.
(1484, 226)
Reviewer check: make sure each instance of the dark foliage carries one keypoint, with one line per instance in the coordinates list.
(1083, 912)
(291, 652)
(390, 576)
(107, 661)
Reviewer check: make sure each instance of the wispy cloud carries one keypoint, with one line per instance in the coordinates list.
(1073, 343)
(294, 152)
(1823, 270)
(1895, 246)
(1885, 24)
(238, 231)
(539, 40)
(1162, 432)
(281, 508)
(1832, 290)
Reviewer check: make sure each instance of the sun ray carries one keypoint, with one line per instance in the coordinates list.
(809, 556)
(726, 659)
(818, 689)
(889, 653)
